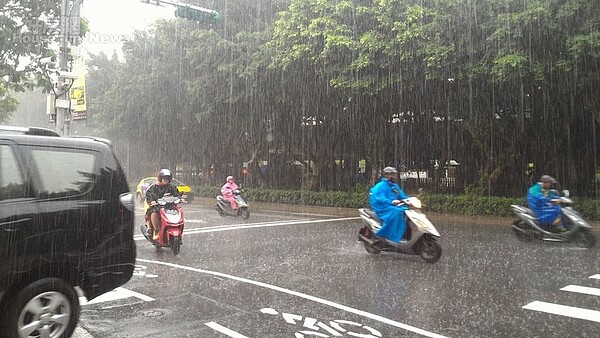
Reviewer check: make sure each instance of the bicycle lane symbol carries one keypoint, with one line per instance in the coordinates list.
(336, 328)
(312, 327)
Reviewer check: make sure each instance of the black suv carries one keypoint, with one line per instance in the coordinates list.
(66, 220)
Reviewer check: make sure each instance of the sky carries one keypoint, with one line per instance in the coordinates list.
(110, 20)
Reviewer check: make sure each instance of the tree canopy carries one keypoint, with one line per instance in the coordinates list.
(304, 91)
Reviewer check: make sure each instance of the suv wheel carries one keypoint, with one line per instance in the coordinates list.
(45, 308)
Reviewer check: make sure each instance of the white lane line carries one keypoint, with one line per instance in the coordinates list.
(245, 224)
(224, 330)
(563, 310)
(252, 226)
(582, 289)
(309, 214)
(303, 295)
(264, 225)
(195, 221)
(595, 276)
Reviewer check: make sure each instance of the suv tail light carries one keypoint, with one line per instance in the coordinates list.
(127, 201)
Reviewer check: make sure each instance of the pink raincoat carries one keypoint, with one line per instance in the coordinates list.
(227, 192)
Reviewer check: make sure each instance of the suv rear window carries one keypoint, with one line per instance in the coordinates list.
(63, 172)
(12, 184)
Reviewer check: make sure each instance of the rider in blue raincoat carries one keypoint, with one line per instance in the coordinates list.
(540, 199)
(384, 198)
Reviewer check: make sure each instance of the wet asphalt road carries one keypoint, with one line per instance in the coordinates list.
(285, 274)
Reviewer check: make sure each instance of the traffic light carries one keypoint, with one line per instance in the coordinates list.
(196, 13)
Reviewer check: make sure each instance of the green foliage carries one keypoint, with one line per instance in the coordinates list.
(491, 84)
(506, 65)
(25, 36)
(302, 197)
(585, 44)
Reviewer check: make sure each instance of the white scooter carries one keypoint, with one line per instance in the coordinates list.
(420, 236)
(527, 228)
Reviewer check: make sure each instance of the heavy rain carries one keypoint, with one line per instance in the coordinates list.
(479, 117)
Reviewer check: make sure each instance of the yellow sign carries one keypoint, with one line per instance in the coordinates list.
(78, 91)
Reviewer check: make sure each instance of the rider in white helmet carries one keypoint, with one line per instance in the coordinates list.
(156, 191)
(227, 192)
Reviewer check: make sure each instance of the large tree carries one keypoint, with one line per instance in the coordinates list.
(27, 28)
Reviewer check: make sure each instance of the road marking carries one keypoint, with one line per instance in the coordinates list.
(303, 295)
(247, 224)
(563, 310)
(264, 225)
(116, 294)
(252, 226)
(224, 330)
(309, 214)
(582, 289)
(195, 221)
(595, 276)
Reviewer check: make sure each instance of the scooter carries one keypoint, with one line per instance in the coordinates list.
(172, 224)
(224, 209)
(527, 228)
(420, 236)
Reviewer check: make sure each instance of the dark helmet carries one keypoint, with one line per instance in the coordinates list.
(165, 173)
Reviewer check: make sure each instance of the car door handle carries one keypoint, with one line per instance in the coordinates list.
(13, 226)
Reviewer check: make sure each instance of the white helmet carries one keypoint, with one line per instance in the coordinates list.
(390, 170)
(165, 173)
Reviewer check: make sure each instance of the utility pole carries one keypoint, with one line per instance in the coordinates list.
(69, 16)
(62, 87)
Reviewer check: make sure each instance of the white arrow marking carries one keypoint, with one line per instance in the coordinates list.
(116, 294)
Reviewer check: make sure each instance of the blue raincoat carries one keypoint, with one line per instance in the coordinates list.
(539, 202)
(381, 196)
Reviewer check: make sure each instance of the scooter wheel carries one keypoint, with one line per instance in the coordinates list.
(523, 236)
(245, 213)
(175, 244)
(431, 251)
(585, 239)
(372, 250)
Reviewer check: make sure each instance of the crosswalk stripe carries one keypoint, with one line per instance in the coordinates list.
(563, 310)
(582, 289)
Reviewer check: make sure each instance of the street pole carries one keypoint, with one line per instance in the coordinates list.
(62, 128)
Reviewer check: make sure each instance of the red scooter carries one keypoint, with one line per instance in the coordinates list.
(172, 222)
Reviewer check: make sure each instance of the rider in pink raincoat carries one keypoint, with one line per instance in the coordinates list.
(227, 192)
